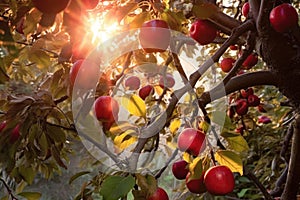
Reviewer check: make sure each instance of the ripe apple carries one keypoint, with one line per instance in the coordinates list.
(233, 47)
(250, 61)
(15, 134)
(240, 130)
(89, 4)
(264, 119)
(247, 92)
(195, 185)
(159, 194)
(241, 107)
(132, 83)
(227, 64)
(203, 32)
(191, 141)
(85, 73)
(283, 17)
(253, 100)
(167, 81)
(261, 108)
(219, 180)
(180, 169)
(245, 9)
(2, 125)
(50, 6)
(145, 91)
(106, 108)
(155, 36)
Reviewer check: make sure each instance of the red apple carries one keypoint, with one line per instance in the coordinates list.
(132, 83)
(261, 108)
(240, 130)
(247, 92)
(283, 17)
(145, 91)
(15, 134)
(106, 109)
(191, 141)
(195, 185)
(155, 36)
(264, 119)
(250, 61)
(241, 107)
(245, 9)
(203, 31)
(227, 64)
(159, 194)
(253, 100)
(219, 180)
(2, 125)
(167, 81)
(180, 169)
(50, 6)
(86, 74)
(233, 47)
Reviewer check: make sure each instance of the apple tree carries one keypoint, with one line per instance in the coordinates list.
(172, 99)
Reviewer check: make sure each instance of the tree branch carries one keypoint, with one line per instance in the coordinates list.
(10, 192)
(293, 179)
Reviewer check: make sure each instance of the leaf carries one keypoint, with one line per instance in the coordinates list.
(118, 13)
(31, 195)
(120, 127)
(139, 20)
(56, 155)
(135, 105)
(174, 125)
(115, 187)
(77, 175)
(204, 10)
(41, 58)
(237, 143)
(147, 183)
(125, 139)
(27, 173)
(196, 168)
(56, 133)
(230, 159)
(221, 118)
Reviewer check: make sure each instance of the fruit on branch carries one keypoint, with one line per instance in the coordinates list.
(50, 6)
(195, 185)
(155, 36)
(65, 53)
(180, 169)
(191, 141)
(81, 49)
(106, 109)
(233, 47)
(159, 194)
(145, 91)
(253, 100)
(247, 92)
(241, 107)
(15, 134)
(89, 4)
(3, 125)
(283, 18)
(264, 119)
(227, 64)
(219, 180)
(85, 73)
(203, 31)
(250, 61)
(132, 83)
(167, 81)
(245, 9)
(240, 130)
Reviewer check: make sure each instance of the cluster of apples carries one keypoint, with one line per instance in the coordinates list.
(283, 17)
(217, 180)
(14, 133)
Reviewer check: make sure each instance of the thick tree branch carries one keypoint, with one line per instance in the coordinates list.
(293, 180)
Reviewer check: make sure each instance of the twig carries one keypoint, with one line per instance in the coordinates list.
(159, 173)
(10, 192)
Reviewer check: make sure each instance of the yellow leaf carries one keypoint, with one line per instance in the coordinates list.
(120, 127)
(237, 143)
(158, 90)
(174, 125)
(187, 157)
(230, 159)
(135, 105)
(196, 167)
(125, 139)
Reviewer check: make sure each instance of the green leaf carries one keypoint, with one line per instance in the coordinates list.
(221, 118)
(204, 10)
(148, 183)
(230, 159)
(77, 175)
(237, 143)
(135, 105)
(115, 187)
(139, 20)
(41, 58)
(56, 133)
(31, 195)
(27, 173)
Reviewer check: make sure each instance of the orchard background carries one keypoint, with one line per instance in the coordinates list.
(46, 152)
